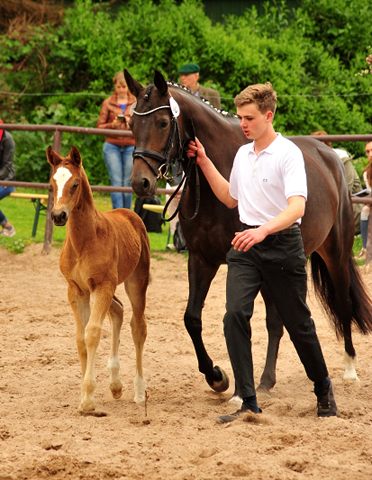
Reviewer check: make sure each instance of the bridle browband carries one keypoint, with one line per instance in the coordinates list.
(165, 159)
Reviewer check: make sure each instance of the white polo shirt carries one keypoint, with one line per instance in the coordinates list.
(263, 183)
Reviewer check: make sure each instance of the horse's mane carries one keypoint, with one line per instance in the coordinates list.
(204, 100)
(151, 87)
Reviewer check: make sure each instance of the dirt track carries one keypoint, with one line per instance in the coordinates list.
(43, 436)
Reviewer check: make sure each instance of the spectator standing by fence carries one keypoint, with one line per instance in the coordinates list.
(117, 151)
(7, 173)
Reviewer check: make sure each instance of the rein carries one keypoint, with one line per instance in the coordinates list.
(165, 160)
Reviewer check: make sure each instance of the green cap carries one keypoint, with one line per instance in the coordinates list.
(189, 68)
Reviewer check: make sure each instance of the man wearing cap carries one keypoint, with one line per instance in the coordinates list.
(189, 75)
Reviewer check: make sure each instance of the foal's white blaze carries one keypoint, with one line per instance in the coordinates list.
(350, 374)
(61, 176)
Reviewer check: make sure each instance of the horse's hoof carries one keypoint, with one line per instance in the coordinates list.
(236, 400)
(263, 392)
(93, 413)
(116, 390)
(355, 381)
(220, 385)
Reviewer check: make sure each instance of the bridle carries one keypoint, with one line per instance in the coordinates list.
(165, 159)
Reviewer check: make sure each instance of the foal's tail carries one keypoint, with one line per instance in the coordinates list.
(325, 291)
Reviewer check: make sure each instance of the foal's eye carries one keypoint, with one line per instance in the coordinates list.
(74, 187)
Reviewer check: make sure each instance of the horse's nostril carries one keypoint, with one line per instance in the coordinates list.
(63, 216)
(146, 184)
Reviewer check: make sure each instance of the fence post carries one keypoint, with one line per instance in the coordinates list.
(48, 235)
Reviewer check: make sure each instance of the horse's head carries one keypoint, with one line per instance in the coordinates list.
(65, 181)
(155, 127)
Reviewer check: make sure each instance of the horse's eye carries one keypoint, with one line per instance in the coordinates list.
(163, 124)
(74, 187)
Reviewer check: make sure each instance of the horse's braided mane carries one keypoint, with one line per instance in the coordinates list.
(186, 89)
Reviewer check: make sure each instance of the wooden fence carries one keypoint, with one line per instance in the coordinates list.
(57, 143)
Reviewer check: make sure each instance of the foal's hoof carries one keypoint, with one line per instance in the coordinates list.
(116, 390)
(219, 385)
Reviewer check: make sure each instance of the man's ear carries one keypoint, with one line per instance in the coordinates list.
(269, 116)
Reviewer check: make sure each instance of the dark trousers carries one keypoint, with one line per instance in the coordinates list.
(279, 261)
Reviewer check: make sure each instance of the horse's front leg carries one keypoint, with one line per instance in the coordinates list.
(79, 302)
(116, 318)
(275, 332)
(102, 298)
(201, 275)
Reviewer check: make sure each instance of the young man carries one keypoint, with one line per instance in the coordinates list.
(189, 77)
(268, 184)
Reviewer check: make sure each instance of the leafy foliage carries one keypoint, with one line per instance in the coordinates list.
(310, 55)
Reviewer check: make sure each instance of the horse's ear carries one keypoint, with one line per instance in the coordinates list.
(53, 158)
(75, 156)
(134, 87)
(160, 83)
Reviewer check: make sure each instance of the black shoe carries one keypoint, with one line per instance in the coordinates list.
(326, 402)
(238, 414)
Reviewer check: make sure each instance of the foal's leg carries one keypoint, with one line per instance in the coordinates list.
(102, 299)
(79, 302)
(116, 318)
(136, 288)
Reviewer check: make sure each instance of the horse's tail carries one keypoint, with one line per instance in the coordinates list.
(325, 292)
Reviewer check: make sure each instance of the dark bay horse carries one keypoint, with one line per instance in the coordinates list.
(164, 119)
(101, 251)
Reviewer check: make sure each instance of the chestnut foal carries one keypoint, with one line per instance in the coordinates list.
(101, 251)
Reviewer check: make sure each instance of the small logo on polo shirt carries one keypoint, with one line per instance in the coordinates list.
(265, 180)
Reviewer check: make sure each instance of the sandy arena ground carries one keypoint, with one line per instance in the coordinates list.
(43, 436)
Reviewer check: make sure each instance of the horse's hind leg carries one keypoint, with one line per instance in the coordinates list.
(116, 318)
(136, 287)
(275, 331)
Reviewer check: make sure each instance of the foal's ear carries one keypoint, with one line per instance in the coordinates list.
(160, 83)
(53, 158)
(134, 87)
(75, 156)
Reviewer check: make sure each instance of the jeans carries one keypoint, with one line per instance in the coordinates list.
(119, 162)
(279, 261)
(4, 192)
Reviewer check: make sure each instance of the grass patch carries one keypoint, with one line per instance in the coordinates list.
(21, 212)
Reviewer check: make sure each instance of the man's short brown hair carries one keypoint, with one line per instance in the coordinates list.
(261, 94)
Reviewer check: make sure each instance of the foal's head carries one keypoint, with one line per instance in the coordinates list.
(66, 178)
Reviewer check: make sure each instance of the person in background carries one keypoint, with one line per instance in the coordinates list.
(7, 173)
(352, 178)
(189, 76)
(173, 205)
(367, 177)
(268, 184)
(117, 151)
